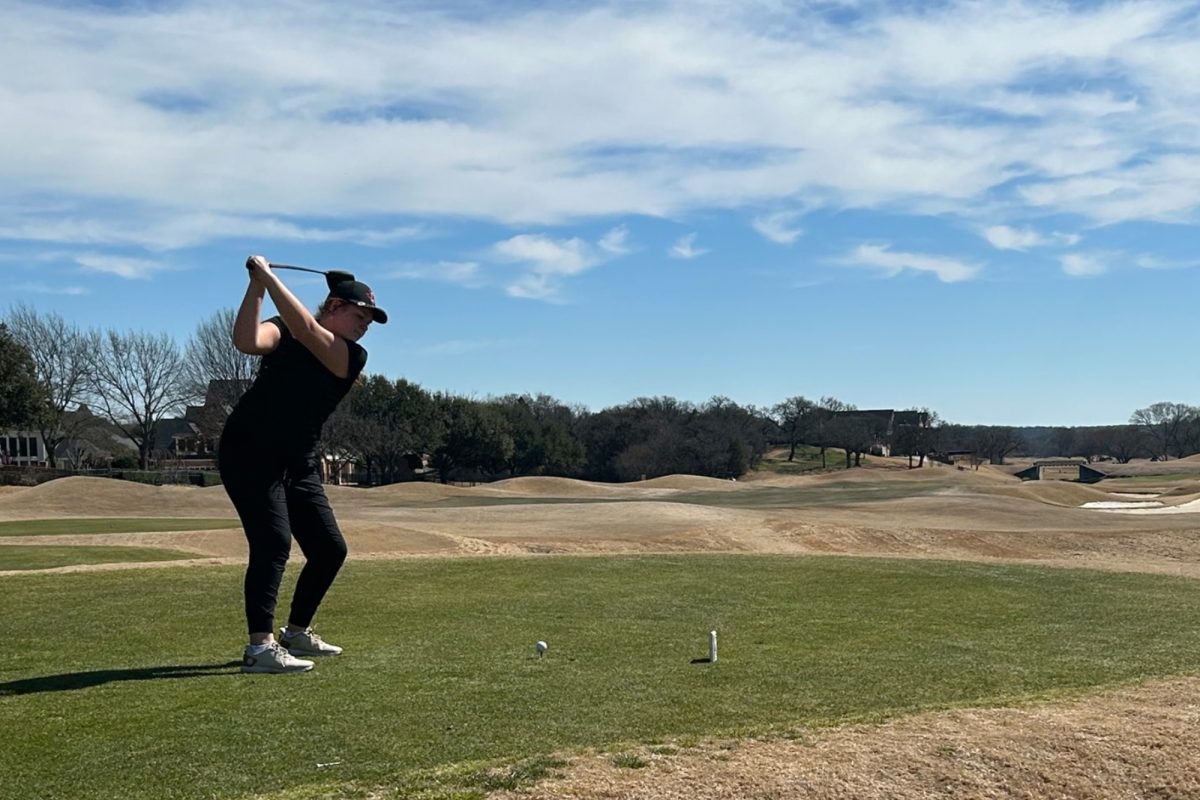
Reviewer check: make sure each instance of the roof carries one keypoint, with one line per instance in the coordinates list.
(167, 429)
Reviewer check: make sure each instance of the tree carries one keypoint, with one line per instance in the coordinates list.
(852, 434)
(136, 380)
(478, 439)
(1163, 422)
(1064, 440)
(216, 370)
(543, 432)
(385, 424)
(1126, 442)
(22, 398)
(795, 415)
(918, 438)
(827, 408)
(61, 362)
(994, 442)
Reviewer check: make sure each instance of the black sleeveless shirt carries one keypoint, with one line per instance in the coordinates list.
(291, 397)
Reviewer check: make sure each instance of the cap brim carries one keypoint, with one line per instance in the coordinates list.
(377, 313)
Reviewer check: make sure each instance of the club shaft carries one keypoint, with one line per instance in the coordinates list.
(273, 265)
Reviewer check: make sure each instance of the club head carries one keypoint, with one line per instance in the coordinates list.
(335, 276)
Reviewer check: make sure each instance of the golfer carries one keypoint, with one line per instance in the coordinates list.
(267, 454)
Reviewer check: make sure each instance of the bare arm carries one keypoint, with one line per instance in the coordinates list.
(250, 334)
(330, 350)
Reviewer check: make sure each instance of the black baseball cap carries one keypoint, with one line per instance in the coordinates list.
(359, 294)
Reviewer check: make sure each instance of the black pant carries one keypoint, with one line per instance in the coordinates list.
(277, 498)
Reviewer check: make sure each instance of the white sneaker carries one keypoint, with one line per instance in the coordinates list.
(307, 643)
(273, 659)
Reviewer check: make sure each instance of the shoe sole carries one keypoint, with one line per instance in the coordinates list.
(310, 653)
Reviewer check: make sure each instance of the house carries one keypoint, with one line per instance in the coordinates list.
(22, 449)
(190, 441)
(884, 423)
(91, 441)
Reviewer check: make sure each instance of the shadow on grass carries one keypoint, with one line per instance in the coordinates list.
(83, 680)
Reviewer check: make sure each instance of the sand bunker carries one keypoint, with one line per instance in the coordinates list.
(949, 514)
(1122, 504)
(99, 497)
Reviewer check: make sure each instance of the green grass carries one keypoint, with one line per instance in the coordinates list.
(125, 684)
(808, 459)
(25, 557)
(1138, 480)
(57, 527)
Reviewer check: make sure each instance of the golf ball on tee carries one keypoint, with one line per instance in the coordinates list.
(542, 647)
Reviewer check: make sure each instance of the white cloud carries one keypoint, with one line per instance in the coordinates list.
(948, 270)
(1084, 265)
(536, 286)
(1002, 237)
(129, 268)
(1069, 239)
(616, 241)
(186, 230)
(685, 248)
(1154, 262)
(549, 262)
(553, 114)
(546, 255)
(779, 227)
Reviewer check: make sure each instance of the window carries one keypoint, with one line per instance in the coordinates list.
(33, 446)
(23, 445)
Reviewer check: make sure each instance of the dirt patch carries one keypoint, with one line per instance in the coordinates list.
(1138, 742)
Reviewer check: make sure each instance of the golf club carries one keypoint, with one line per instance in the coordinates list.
(332, 276)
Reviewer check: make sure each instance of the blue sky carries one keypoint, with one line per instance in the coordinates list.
(986, 208)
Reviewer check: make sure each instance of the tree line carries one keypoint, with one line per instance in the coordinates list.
(135, 380)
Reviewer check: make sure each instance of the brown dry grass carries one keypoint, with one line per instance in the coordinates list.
(1138, 742)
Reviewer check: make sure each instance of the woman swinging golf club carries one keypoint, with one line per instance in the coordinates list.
(267, 453)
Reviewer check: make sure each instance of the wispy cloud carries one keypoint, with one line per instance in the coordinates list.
(1155, 262)
(1085, 265)
(548, 262)
(463, 273)
(947, 270)
(616, 241)
(130, 268)
(779, 227)
(41, 288)
(1002, 237)
(685, 248)
(186, 230)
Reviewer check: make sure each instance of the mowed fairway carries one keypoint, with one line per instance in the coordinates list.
(935, 617)
(134, 693)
